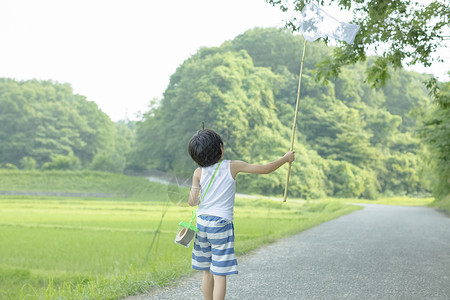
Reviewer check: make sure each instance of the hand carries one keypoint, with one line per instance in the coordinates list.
(290, 156)
(197, 201)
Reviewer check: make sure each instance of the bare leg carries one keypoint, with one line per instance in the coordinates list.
(220, 287)
(207, 285)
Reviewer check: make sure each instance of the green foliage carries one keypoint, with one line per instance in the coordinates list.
(443, 203)
(44, 119)
(412, 32)
(401, 174)
(62, 162)
(108, 162)
(246, 90)
(396, 200)
(228, 93)
(115, 160)
(9, 166)
(436, 133)
(352, 140)
(349, 181)
(28, 163)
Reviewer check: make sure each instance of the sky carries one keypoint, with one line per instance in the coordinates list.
(121, 54)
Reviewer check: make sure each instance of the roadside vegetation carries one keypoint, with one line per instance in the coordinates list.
(99, 247)
(57, 247)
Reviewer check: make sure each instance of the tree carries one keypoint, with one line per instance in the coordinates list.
(44, 119)
(28, 163)
(62, 162)
(115, 160)
(401, 31)
(350, 136)
(263, 46)
(436, 132)
(224, 90)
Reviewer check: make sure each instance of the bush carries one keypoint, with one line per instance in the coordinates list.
(108, 162)
(348, 180)
(9, 166)
(28, 163)
(62, 162)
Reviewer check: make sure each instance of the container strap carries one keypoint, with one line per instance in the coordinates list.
(194, 212)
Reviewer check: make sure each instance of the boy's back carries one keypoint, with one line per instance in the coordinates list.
(219, 200)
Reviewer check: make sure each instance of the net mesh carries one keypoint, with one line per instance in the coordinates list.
(316, 23)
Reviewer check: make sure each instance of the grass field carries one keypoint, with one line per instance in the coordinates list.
(97, 248)
(121, 186)
(397, 200)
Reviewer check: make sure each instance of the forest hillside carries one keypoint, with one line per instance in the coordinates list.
(352, 140)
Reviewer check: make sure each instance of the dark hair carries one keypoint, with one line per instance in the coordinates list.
(204, 147)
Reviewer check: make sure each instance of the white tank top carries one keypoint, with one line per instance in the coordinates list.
(219, 200)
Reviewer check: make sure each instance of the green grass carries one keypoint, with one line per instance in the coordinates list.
(397, 200)
(443, 204)
(96, 249)
(120, 185)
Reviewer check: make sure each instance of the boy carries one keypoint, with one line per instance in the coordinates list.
(213, 250)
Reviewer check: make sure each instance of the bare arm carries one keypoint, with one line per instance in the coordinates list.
(238, 166)
(194, 195)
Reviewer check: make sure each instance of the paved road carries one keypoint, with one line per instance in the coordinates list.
(380, 252)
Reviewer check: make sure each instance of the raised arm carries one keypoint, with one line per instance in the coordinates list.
(238, 166)
(194, 195)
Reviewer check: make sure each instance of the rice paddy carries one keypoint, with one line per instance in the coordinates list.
(69, 248)
(84, 247)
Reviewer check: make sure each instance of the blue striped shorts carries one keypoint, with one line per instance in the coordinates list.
(214, 246)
